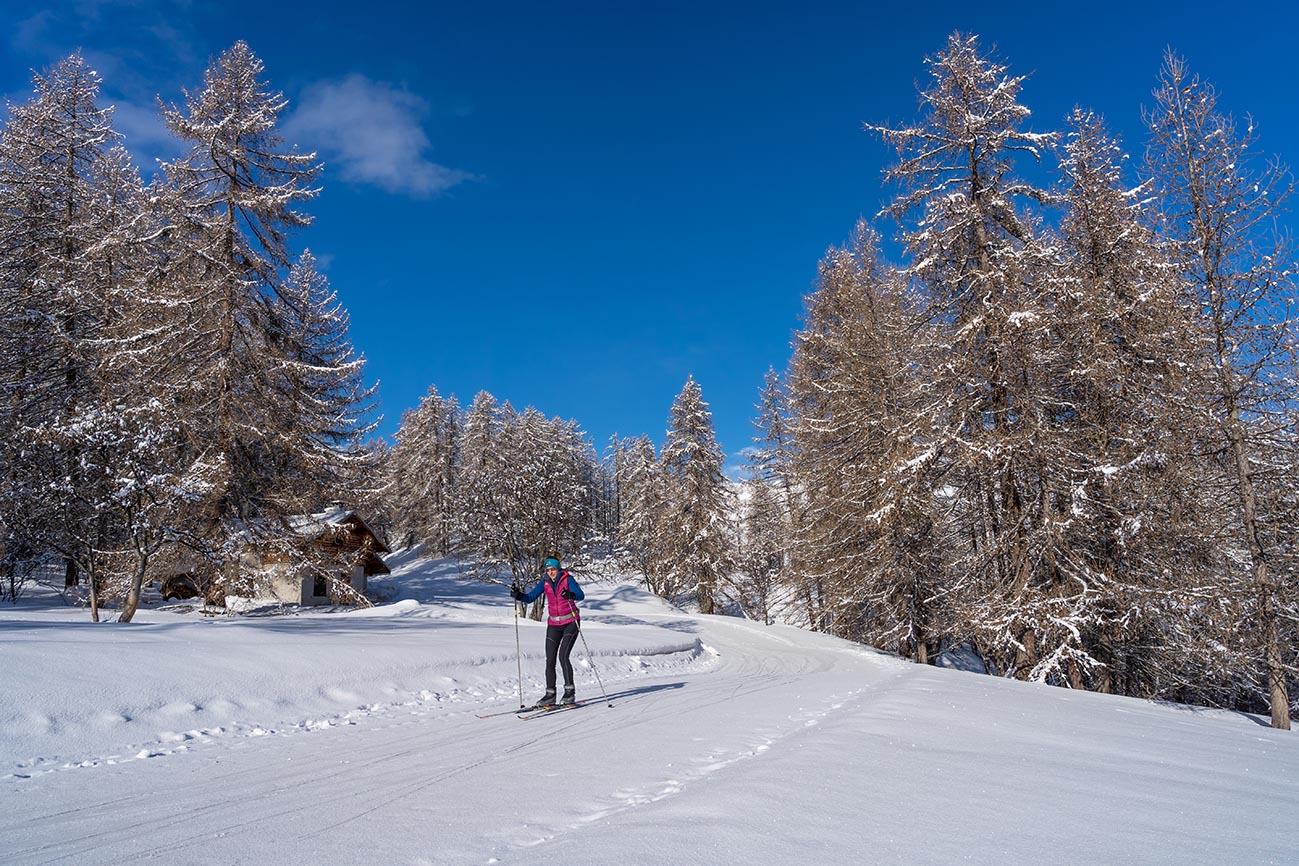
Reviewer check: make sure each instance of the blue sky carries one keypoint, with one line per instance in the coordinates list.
(575, 206)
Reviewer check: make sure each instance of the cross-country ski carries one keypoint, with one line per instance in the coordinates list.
(497, 713)
(537, 712)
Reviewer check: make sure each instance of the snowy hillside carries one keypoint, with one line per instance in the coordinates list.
(354, 738)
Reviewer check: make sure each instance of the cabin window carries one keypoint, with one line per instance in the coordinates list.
(320, 586)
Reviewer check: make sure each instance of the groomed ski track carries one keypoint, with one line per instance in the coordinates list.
(439, 785)
(770, 745)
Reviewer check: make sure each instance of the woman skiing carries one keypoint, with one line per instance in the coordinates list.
(561, 591)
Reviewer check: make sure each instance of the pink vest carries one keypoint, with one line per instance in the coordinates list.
(560, 609)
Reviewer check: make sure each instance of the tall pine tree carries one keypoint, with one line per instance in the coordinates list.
(697, 550)
(231, 202)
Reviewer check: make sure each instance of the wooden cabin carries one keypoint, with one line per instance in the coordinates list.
(346, 540)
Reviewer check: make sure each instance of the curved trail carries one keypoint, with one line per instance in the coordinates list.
(434, 784)
(728, 743)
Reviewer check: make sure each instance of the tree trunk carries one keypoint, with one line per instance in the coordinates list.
(92, 581)
(705, 590)
(1278, 694)
(1026, 655)
(133, 595)
(1105, 675)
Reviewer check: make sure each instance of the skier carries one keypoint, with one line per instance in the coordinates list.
(561, 591)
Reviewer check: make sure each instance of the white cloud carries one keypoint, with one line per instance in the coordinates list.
(370, 132)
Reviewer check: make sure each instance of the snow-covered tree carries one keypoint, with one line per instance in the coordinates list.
(231, 201)
(523, 489)
(479, 477)
(642, 498)
(773, 459)
(968, 226)
(421, 472)
(321, 400)
(1218, 204)
(548, 471)
(864, 456)
(59, 231)
(1122, 337)
(761, 547)
(697, 550)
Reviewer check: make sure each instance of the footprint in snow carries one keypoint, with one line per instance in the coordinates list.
(108, 717)
(180, 708)
(175, 736)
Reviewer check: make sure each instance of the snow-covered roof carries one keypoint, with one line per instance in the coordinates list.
(315, 525)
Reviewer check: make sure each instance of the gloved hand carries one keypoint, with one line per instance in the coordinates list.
(568, 594)
(516, 593)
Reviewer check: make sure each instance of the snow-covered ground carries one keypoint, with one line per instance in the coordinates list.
(354, 738)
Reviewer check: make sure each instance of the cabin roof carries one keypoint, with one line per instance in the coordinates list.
(315, 525)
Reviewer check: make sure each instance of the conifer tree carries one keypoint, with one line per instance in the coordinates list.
(478, 481)
(55, 282)
(773, 462)
(977, 257)
(1124, 335)
(1218, 206)
(322, 401)
(697, 548)
(231, 201)
(761, 547)
(546, 490)
(643, 512)
(864, 455)
(421, 471)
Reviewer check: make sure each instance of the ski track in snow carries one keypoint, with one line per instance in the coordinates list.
(698, 770)
(168, 743)
(755, 674)
(727, 740)
(376, 777)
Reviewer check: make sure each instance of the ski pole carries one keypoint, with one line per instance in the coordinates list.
(518, 648)
(590, 661)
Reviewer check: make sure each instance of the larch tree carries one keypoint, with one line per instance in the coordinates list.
(56, 280)
(421, 472)
(864, 454)
(697, 549)
(642, 511)
(523, 490)
(761, 545)
(232, 201)
(324, 402)
(546, 491)
(1219, 203)
(481, 476)
(773, 460)
(968, 228)
(1125, 339)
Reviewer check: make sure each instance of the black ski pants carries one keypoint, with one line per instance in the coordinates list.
(559, 646)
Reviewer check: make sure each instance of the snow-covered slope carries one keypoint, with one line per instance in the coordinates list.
(354, 738)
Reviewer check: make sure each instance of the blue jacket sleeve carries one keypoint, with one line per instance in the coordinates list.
(532, 594)
(575, 589)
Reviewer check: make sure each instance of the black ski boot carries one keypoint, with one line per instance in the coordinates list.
(547, 700)
(570, 696)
